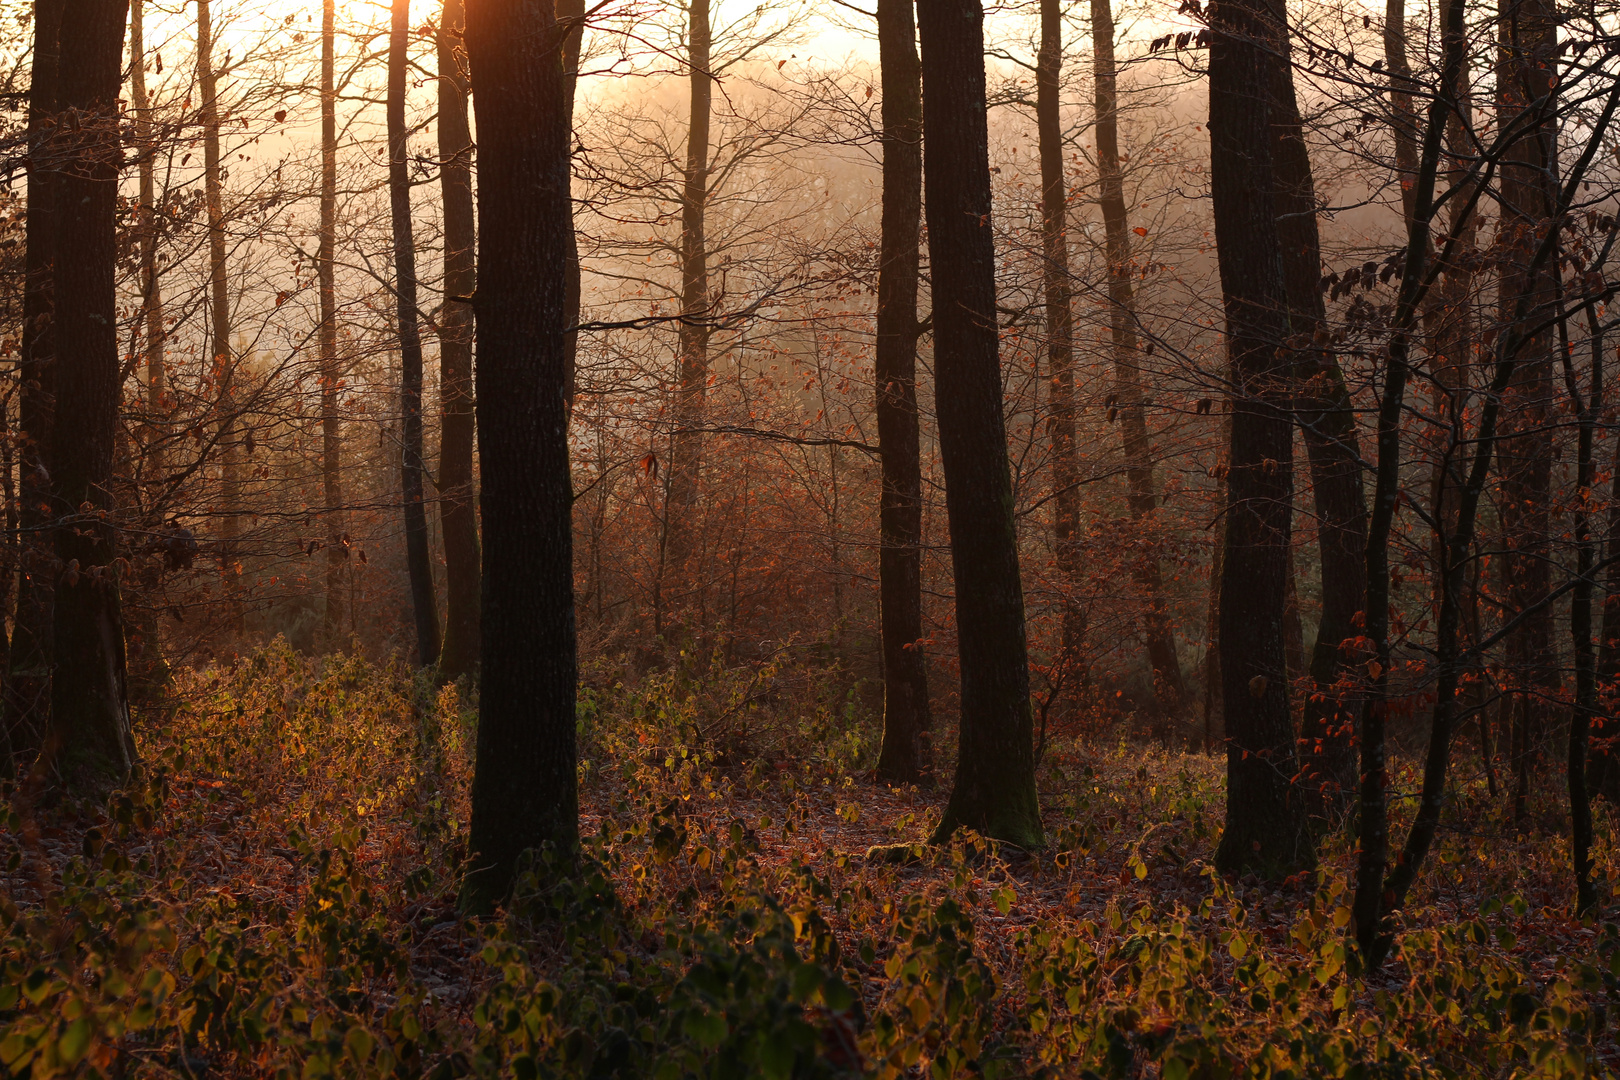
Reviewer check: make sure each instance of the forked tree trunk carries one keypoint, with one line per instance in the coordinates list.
(219, 307)
(1333, 447)
(331, 372)
(692, 384)
(458, 514)
(906, 755)
(1142, 498)
(27, 690)
(418, 560)
(994, 789)
(525, 790)
(1265, 818)
(90, 729)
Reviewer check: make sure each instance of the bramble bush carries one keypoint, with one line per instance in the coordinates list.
(274, 896)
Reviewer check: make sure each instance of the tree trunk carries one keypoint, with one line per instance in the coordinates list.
(1580, 625)
(1528, 51)
(458, 513)
(1161, 637)
(90, 727)
(994, 789)
(1328, 421)
(337, 551)
(525, 790)
(147, 235)
(28, 687)
(224, 362)
(907, 755)
(1265, 818)
(418, 560)
(693, 347)
(571, 19)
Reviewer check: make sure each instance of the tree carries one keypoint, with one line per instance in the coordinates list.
(1161, 638)
(417, 559)
(1327, 418)
(330, 374)
(906, 754)
(994, 787)
(1265, 821)
(525, 788)
(219, 310)
(90, 725)
(458, 516)
(686, 454)
(27, 689)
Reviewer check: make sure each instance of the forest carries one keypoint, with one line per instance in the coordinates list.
(791, 539)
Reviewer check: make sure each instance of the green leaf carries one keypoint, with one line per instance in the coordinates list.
(74, 1041)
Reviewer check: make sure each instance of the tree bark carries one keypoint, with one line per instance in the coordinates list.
(571, 20)
(525, 790)
(1580, 625)
(686, 461)
(1528, 52)
(331, 372)
(219, 306)
(27, 691)
(147, 235)
(90, 728)
(1265, 818)
(1333, 447)
(1168, 684)
(994, 789)
(418, 560)
(458, 513)
(906, 756)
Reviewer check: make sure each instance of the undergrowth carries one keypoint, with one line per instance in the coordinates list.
(274, 896)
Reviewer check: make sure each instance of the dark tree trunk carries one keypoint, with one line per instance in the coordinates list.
(1328, 420)
(994, 789)
(1580, 624)
(1604, 772)
(907, 755)
(147, 234)
(337, 550)
(418, 559)
(693, 349)
(1143, 499)
(1529, 44)
(90, 726)
(1072, 664)
(458, 512)
(1265, 813)
(525, 790)
(27, 690)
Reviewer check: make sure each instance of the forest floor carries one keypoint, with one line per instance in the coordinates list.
(278, 897)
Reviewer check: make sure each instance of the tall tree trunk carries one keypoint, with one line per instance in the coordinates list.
(1580, 625)
(1265, 816)
(693, 347)
(1072, 662)
(90, 727)
(994, 789)
(906, 755)
(1333, 447)
(571, 20)
(219, 306)
(1143, 499)
(147, 234)
(337, 551)
(27, 688)
(458, 514)
(418, 560)
(1529, 44)
(1604, 774)
(525, 791)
